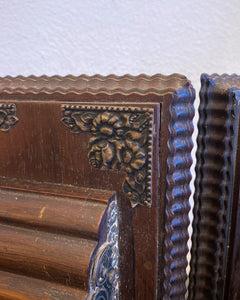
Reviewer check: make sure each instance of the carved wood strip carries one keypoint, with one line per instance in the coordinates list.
(81, 218)
(178, 192)
(111, 84)
(232, 264)
(55, 189)
(214, 184)
(46, 255)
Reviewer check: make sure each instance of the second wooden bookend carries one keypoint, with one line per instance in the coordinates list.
(215, 263)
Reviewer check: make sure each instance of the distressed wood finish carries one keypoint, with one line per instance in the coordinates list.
(215, 261)
(115, 151)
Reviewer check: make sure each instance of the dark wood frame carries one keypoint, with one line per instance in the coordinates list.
(215, 262)
(160, 246)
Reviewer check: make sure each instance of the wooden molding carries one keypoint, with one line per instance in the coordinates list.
(96, 84)
(215, 187)
(178, 192)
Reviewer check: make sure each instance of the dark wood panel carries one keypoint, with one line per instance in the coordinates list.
(18, 287)
(47, 152)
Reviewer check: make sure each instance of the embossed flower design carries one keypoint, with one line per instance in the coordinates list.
(120, 155)
(101, 154)
(106, 144)
(3, 116)
(133, 156)
(78, 122)
(107, 125)
(7, 119)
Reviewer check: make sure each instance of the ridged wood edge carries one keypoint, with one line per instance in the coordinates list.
(177, 194)
(111, 84)
(229, 280)
(213, 184)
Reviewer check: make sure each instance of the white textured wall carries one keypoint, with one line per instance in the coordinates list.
(119, 36)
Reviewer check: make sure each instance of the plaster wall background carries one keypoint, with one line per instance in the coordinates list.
(120, 36)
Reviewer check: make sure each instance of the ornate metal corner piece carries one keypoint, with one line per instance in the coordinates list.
(121, 140)
(7, 116)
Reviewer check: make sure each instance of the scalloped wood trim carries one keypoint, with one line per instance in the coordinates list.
(178, 192)
(111, 84)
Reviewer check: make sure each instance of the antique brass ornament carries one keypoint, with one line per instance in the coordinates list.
(121, 140)
(7, 116)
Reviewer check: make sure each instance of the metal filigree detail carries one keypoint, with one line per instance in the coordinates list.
(121, 140)
(103, 271)
(7, 116)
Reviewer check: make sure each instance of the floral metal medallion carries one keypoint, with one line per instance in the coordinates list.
(121, 140)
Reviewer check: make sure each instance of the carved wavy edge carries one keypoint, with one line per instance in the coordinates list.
(178, 192)
(111, 84)
(213, 183)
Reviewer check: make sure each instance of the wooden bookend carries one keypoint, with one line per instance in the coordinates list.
(94, 186)
(215, 263)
